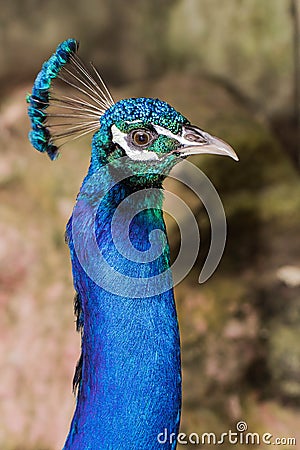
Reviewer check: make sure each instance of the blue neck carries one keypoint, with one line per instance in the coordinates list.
(130, 387)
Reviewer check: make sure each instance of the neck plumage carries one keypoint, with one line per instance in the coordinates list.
(129, 379)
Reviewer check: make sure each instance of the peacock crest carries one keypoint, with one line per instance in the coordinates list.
(56, 117)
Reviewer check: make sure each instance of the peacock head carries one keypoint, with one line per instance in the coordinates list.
(149, 132)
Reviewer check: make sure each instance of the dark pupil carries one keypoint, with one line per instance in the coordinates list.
(141, 138)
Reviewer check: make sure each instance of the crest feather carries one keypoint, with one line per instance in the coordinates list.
(57, 118)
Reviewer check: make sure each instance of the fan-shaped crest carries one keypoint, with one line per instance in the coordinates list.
(58, 116)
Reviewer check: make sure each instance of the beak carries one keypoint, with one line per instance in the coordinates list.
(196, 141)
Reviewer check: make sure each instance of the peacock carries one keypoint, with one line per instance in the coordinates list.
(127, 380)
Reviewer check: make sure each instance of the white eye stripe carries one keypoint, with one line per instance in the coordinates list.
(168, 133)
(133, 121)
(118, 137)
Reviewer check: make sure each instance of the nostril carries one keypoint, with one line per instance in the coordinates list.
(193, 137)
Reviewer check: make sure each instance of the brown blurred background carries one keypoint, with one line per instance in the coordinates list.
(232, 68)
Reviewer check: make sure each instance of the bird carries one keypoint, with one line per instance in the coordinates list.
(127, 380)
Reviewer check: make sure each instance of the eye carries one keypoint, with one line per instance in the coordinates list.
(141, 137)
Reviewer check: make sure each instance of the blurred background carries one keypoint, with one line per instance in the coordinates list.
(232, 68)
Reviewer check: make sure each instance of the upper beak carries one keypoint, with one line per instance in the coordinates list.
(196, 141)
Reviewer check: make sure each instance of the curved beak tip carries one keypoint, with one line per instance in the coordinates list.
(233, 155)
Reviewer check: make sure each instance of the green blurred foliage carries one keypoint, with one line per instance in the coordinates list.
(246, 42)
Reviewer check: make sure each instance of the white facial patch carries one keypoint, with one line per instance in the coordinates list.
(118, 137)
